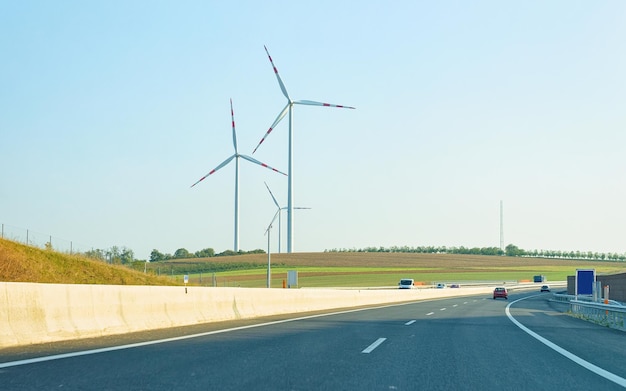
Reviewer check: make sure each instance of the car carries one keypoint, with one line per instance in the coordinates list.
(406, 283)
(455, 286)
(545, 288)
(441, 285)
(500, 292)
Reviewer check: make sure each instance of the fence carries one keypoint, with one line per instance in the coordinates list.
(40, 240)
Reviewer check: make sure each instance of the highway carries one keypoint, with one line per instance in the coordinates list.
(469, 343)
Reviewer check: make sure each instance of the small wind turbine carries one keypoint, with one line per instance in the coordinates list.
(268, 232)
(278, 212)
(289, 108)
(236, 156)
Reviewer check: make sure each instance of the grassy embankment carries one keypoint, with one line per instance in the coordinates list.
(21, 263)
(27, 264)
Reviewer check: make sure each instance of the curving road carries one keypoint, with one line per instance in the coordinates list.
(460, 343)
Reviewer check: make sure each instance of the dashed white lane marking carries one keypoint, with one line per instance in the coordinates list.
(430, 313)
(373, 346)
(410, 322)
(456, 305)
(586, 364)
(443, 309)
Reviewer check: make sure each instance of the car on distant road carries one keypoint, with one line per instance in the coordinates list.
(441, 285)
(500, 292)
(406, 283)
(455, 286)
(545, 288)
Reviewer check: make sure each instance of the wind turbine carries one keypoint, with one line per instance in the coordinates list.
(278, 213)
(268, 232)
(281, 115)
(236, 156)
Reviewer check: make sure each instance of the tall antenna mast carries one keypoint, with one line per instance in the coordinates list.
(501, 228)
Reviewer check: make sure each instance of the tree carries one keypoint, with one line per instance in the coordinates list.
(156, 256)
(206, 253)
(127, 256)
(113, 254)
(513, 251)
(96, 254)
(182, 253)
(227, 253)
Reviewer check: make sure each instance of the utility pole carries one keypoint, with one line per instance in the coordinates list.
(501, 227)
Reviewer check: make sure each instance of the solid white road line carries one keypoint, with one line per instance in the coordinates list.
(373, 346)
(586, 364)
(154, 342)
(410, 322)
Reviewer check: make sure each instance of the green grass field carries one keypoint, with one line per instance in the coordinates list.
(380, 277)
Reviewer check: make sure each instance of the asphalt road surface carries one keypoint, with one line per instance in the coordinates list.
(469, 343)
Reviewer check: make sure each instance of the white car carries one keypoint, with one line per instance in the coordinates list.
(441, 285)
(406, 283)
(545, 288)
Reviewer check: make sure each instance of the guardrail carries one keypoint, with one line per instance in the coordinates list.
(603, 314)
(586, 299)
(611, 315)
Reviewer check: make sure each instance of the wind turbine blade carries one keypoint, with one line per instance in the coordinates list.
(232, 116)
(301, 207)
(253, 160)
(273, 198)
(273, 219)
(276, 121)
(275, 215)
(225, 162)
(314, 103)
(280, 82)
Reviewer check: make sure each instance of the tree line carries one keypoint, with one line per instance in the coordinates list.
(114, 255)
(183, 253)
(511, 250)
(125, 256)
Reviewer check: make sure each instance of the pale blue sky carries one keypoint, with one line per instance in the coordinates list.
(110, 111)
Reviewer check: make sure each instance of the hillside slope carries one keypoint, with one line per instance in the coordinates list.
(21, 263)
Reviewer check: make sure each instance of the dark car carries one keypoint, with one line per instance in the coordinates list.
(500, 292)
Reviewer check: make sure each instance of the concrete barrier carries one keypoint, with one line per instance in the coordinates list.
(34, 313)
